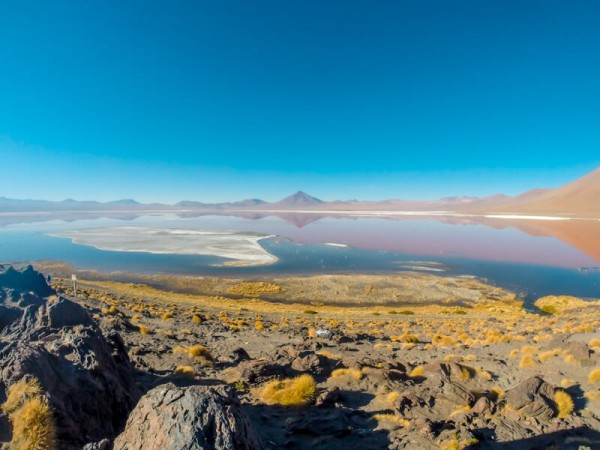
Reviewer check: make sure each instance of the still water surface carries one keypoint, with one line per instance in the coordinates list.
(535, 259)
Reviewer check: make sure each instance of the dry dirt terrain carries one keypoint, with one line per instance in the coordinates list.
(401, 361)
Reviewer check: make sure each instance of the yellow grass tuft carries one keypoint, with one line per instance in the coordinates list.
(496, 393)
(566, 383)
(198, 352)
(19, 392)
(594, 376)
(594, 343)
(354, 373)
(392, 397)
(528, 349)
(483, 374)
(291, 392)
(259, 325)
(564, 403)
(327, 354)
(185, 370)
(527, 362)
(393, 419)
(416, 372)
(570, 359)
(464, 409)
(196, 319)
(31, 417)
(144, 330)
(545, 356)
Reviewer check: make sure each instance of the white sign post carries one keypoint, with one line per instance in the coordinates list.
(74, 278)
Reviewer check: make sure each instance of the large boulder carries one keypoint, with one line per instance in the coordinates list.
(190, 418)
(87, 378)
(533, 397)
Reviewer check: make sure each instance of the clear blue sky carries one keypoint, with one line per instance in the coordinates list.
(221, 100)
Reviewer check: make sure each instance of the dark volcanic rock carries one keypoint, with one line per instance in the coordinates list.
(190, 418)
(56, 341)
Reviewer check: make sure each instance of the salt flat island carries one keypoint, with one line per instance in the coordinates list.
(241, 248)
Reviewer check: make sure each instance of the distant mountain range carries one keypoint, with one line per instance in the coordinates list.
(580, 198)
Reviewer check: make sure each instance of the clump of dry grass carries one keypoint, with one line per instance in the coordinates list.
(527, 362)
(392, 419)
(594, 376)
(31, 417)
(188, 371)
(416, 372)
(329, 355)
(291, 392)
(198, 352)
(564, 403)
(354, 373)
(144, 330)
(255, 288)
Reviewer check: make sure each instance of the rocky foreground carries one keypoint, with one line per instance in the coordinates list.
(128, 366)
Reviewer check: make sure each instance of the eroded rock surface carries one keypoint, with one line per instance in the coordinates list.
(191, 418)
(57, 342)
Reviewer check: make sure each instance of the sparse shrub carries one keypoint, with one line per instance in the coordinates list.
(564, 403)
(496, 393)
(465, 374)
(566, 383)
(144, 330)
(483, 374)
(594, 376)
(291, 392)
(458, 411)
(527, 362)
(416, 372)
(312, 332)
(196, 319)
(392, 397)
(329, 355)
(198, 352)
(167, 315)
(240, 386)
(259, 325)
(185, 370)
(545, 356)
(406, 312)
(310, 311)
(393, 419)
(354, 373)
(31, 417)
(570, 359)
(594, 343)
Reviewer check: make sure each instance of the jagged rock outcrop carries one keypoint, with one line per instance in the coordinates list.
(190, 418)
(87, 377)
(532, 397)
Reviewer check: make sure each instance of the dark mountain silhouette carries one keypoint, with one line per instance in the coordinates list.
(299, 199)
